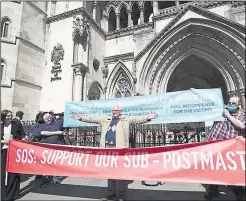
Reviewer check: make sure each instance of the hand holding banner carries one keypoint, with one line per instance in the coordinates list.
(216, 162)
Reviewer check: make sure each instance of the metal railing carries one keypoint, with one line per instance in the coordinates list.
(140, 135)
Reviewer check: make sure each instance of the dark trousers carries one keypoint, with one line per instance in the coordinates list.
(12, 189)
(239, 191)
(213, 189)
(117, 188)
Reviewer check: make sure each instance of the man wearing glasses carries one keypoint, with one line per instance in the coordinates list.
(233, 126)
(115, 134)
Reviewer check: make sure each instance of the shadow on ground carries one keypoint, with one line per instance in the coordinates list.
(93, 192)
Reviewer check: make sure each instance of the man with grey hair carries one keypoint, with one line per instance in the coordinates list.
(115, 133)
(51, 132)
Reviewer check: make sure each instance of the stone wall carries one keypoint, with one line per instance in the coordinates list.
(97, 51)
(55, 93)
(27, 85)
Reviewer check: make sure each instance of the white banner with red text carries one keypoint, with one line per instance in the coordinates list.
(215, 162)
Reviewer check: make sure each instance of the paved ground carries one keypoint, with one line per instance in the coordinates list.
(92, 189)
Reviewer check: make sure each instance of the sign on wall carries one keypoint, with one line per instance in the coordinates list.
(56, 56)
(196, 105)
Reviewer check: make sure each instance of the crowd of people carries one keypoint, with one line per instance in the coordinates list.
(115, 134)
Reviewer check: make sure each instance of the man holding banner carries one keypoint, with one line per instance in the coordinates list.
(115, 134)
(233, 127)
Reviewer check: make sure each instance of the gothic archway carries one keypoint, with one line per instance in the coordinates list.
(212, 41)
(95, 91)
(196, 72)
(120, 82)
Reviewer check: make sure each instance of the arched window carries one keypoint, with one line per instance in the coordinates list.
(123, 17)
(112, 21)
(5, 27)
(123, 88)
(148, 11)
(3, 69)
(135, 13)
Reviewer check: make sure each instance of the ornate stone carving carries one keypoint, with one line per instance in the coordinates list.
(75, 12)
(179, 15)
(80, 69)
(129, 30)
(236, 4)
(119, 57)
(105, 71)
(172, 11)
(240, 59)
(96, 64)
(123, 88)
(56, 56)
(94, 92)
(81, 26)
(153, 75)
(239, 79)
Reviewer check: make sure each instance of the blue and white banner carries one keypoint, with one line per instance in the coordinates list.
(195, 105)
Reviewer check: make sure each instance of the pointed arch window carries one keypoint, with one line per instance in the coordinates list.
(5, 27)
(123, 17)
(122, 88)
(112, 20)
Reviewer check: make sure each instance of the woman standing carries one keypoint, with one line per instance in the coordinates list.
(9, 130)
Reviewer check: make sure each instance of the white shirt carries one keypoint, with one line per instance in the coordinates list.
(7, 135)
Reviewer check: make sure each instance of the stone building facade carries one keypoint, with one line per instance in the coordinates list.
(78, 51)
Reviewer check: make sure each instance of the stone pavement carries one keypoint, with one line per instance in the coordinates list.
(93, 189)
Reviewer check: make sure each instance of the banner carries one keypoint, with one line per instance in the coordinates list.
(216, 162)
(195, 105)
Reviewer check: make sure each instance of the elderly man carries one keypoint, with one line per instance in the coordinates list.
(51, 132)
(115, 134)
(234, 126)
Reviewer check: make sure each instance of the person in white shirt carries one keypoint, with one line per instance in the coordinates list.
(9, 130)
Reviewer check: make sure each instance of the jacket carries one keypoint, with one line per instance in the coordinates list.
(122, 129)
(16, 130)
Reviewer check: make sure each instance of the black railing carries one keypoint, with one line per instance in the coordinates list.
(140, 135)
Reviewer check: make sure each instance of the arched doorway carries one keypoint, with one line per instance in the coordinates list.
(200, 39)
(196, 72)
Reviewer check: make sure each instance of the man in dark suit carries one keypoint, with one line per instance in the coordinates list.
(18, 117)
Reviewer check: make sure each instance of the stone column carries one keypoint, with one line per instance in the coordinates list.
(242, 94)
(105, 76)
(103, 22)
(78, 81)
(155, 8)
(53, 8)
(141, 15)
(106, 23)
(243, 101)
(75, 52)
(129, 12)
(117, 21)
(94, 12)
(177, 4)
